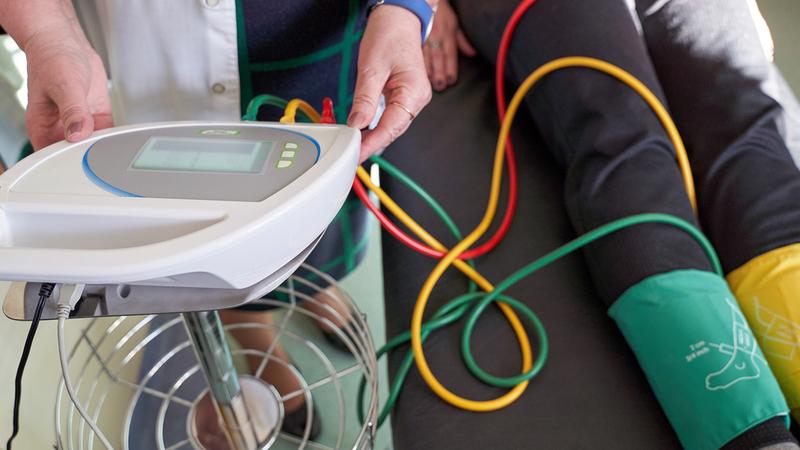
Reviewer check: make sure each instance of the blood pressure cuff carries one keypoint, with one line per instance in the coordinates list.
(768, 289)
(699, 356)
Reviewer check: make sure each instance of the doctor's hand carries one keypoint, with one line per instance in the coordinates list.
(67, 88)
(442, 47)
(390, 62)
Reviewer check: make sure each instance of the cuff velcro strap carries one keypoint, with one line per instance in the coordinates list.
(699, 356)
(768, 289)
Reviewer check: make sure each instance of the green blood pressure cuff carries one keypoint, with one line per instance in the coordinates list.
(699, 355)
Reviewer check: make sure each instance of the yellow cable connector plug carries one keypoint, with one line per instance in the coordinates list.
(290, 113)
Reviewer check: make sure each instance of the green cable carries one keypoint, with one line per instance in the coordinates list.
(392, 170)
(258, 101)
(456, 308)
(251, 113)
(555, 255)
(446, 315)
(267, 99)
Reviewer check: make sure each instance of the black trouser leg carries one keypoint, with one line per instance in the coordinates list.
(714, 71)
(617, 157)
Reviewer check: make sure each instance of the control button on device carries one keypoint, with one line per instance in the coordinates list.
(218, 88)
(288, 154)
(284, 163)
(290, 146)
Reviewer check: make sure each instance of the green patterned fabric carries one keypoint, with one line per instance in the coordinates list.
(699, 355)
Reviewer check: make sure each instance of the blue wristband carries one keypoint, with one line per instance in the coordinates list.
(420, 8)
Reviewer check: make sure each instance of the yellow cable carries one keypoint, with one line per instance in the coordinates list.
(290, 112)
(651, 100)
(483, 283)
(417, 229)
(451, 257)
(491, 208)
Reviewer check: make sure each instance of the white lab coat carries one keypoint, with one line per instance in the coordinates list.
(167, 59)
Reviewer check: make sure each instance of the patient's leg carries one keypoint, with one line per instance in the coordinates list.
(749, 186)
(713, 68)
(673, 311)
(618, 160)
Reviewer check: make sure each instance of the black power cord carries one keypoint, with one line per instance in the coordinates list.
(44, 293)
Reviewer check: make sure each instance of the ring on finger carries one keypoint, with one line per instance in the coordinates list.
(404, 108)
(435, 45)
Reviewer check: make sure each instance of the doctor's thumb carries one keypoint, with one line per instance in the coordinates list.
(78, 124)
(73, 110)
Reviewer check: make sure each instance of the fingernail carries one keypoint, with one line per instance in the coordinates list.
(451, 79)
(440, 84)
(354, 119)
(73, 129)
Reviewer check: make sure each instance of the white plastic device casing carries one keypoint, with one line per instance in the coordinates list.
(56, 225)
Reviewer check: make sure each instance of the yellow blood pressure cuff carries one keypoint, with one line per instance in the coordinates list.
(768, 289)
(699, 356)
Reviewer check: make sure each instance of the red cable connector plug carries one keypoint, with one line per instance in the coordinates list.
(328, 116)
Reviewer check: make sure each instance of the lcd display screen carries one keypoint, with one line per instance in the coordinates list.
(203, 155)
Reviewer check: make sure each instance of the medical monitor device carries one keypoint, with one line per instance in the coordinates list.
(169, 217)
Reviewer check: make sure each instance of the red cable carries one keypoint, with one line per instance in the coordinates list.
(500, 97)
(502, 230)
(502, 54)
(393, 229)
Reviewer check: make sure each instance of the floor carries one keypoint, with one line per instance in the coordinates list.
(365, 285)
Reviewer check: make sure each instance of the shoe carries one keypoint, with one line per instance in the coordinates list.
(333, 338)
(294, 423)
